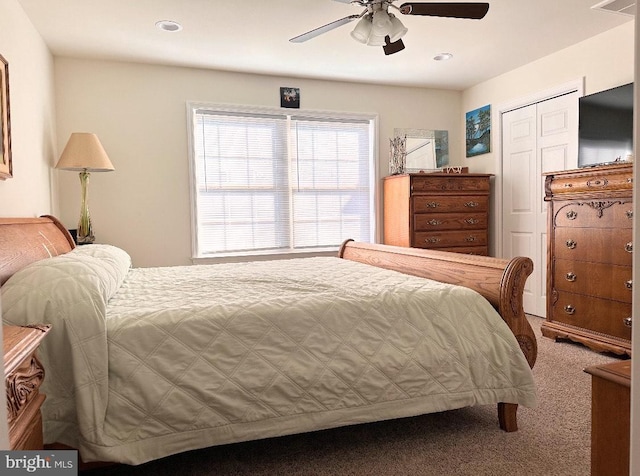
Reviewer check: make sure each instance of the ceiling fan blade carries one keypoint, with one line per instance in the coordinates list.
(344, 1)
(474, 11)
(323, 29)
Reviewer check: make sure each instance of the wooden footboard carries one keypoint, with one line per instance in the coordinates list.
(500, 281)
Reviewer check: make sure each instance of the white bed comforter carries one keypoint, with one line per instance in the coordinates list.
(143, 363)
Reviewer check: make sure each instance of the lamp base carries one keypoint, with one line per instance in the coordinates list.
(85, 240)
(85, 230)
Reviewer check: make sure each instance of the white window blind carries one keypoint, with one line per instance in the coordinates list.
(270, 182)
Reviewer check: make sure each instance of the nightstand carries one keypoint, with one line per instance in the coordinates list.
(610, 411)
(23, 376)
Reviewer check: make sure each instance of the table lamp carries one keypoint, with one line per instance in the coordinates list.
(85, 153)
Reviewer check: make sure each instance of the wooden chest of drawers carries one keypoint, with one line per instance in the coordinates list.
(590, 245)
(448, 212)
(23, 376)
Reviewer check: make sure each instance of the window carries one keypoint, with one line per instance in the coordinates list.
(265, 181)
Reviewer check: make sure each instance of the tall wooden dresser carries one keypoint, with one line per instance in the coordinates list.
(589, 278)
(448, 212)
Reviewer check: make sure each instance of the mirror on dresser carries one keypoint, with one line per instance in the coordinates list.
(425, 149)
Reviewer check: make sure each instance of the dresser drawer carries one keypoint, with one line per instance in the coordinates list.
(594, 214)
(445, 239)
(458, 221)
(444, 204)
(605, 180)
(593, 279)
(468, 250)
(599, 245)
(596, 314)
(454, 183)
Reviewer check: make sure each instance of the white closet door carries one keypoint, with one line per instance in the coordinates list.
(542, 137)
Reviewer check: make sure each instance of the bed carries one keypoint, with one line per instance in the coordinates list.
(142, 363)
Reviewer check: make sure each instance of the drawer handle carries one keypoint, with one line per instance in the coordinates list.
(432, 205)
(571, 244)
(432, 240)
(629, 247)
(472, 221)
(569, 309)
(568, 185)
(434, 222)
(472, 204)
(629, 284)
(630, 214)
(627, 321)
(470, 238)
(572, 215)
(571, 277)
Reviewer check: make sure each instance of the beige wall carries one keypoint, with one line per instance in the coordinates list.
(139, 113)
(29, 192)
(602, 62)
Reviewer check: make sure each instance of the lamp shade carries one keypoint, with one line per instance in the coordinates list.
(84, 152)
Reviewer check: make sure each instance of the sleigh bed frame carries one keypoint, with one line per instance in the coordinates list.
(501, 282)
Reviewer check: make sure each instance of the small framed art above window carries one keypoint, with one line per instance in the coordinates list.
(268, 181)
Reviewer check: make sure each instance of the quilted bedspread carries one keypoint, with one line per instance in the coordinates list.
(146, 362)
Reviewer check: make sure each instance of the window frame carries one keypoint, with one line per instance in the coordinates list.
(192, 108)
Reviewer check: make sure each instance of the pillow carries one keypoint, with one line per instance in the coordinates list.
(98, 269)
(115, 261)
(70, 292)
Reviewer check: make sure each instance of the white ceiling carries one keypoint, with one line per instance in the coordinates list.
(252, 36)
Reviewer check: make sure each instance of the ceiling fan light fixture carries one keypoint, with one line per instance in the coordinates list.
(376, 40)
(398, 30)
(381, 24)
(362, 30)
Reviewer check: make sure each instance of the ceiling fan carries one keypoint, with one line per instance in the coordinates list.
(379, 27)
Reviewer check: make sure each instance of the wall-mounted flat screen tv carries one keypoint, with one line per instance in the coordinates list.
(605, 133)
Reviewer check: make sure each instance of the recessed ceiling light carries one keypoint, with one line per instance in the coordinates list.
(168, 25)
(443, 57)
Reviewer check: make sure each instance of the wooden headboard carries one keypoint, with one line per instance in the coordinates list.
(25, 240)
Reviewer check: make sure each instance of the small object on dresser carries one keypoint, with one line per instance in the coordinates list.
(23, 376)
(397, 155)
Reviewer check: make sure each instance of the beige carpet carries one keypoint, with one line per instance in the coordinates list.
(553, 439)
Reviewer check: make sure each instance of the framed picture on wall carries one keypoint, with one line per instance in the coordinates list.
(6, 167)
(478, 125)
(290, 97)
